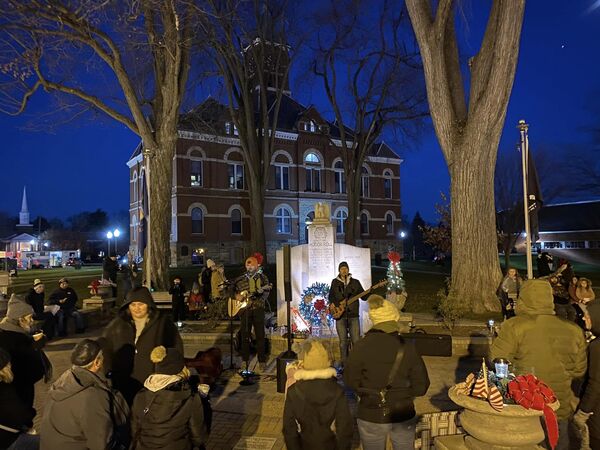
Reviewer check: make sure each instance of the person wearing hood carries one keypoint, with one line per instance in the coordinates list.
(82, 411)
(131, 336)
(342, 288)
(538, 342)
(588, 415)
(581, 293)
(387, 373)
(16, 418)
(166, 414)
(25, 350)
(314, 403)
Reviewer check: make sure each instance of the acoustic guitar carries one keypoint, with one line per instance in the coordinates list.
(235, 304)
(338, 311)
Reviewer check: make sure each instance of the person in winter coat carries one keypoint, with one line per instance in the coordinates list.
(510, 292)
(204, 278)
(314, 403)
(35, 298)
(82, 411)
(16, 417)
(581, 293)
(217, 282)
(177, 292)
(166, 414)
(131, 336)
(342, 288)
(25, 350)
(66, 297)
(383, 364)
(110, 268)
(589, 405)
(536, 341)
(544, 260)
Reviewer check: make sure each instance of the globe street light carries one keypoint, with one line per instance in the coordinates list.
(116, 234)
(109, 236)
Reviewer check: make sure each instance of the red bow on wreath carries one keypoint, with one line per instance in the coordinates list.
(531, 393)
(394, 257)
(320, 305)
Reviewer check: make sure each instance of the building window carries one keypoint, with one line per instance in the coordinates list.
(197, 221)
(231, 128)
(553, 245)
(389, 224)
(387, 187)
(313, 172)
(196, 173)
(236, 221)
(340, 221)
(284, 221)
(135, 188)
(282, 178)
(185, 251)
(364, 224)
(236, 176)
(364, 183)
(340, 178)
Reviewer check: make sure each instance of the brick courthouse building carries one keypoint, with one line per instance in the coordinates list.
(210, 206)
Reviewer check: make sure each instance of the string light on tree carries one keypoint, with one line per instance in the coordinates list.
(395, 286)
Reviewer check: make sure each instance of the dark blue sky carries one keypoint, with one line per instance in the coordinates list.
(81, 166)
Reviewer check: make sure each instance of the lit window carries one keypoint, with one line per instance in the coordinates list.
(284, 221)
(196, 173)
(313, 172)
(236, 176)
(227, 127)
(340, 178)
(197, 221)
(389, 224)
(282, 178)
(364, 224)
(364, 183)
(340, 219)
(236, 222)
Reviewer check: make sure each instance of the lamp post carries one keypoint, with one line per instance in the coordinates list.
(109, 236)
(116, 234)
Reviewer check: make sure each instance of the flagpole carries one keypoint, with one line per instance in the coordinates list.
(523, 127)
(148, 261)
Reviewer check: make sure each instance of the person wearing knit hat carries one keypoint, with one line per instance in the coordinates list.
(140, 326)
(314, 402)
(35, 298)
(166, 414)
(253, 286)
(25, 349)
(82, 411)
(537, 341)
(14, 413)
(381, 365)
(344, 287)
(66, 298)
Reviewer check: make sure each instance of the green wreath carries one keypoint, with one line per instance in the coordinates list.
(313, 305)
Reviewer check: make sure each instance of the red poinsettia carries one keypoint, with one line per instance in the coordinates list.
(320, 305)
(259, 258)
(394, 257)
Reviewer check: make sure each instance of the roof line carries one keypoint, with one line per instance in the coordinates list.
(572, 203)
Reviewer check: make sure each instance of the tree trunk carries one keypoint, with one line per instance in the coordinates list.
(352, 231)
(161, 174)
(475, 266)
(506, 259)
(257, 213)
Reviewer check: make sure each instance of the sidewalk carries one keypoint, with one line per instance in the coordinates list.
(250, 417)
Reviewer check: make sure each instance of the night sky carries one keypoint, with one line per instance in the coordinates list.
(81, 165)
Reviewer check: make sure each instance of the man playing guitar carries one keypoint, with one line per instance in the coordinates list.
(254, 286)
(342, 288)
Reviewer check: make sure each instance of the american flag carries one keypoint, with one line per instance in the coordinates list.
(483, 389)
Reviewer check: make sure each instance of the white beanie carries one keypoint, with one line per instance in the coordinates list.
(382, 310)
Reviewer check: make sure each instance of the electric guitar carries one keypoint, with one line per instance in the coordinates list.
(338, 311)
(243, 300)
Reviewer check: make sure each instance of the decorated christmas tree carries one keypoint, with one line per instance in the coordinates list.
(395, 287)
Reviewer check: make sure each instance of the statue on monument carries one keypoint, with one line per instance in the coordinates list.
(322, 214)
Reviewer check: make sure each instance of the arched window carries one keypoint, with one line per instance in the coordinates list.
(236, 175)
(282, 177)
(340, 221)
(389, 223)
(134, 228)
(236, 221)
(387, 184)
(364, 224)
(135, 188)
(312, 164)
(197, 221)
(284, 221)
(364, 183)
(196, 173)
(340, 178)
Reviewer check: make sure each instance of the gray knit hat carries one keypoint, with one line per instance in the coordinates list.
(17, 308)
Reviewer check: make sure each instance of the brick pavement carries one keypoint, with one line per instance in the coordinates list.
(256, 411)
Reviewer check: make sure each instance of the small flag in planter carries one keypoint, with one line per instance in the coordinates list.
(482, 389)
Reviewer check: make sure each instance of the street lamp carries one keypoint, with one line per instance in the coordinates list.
(109, 236)
(116, 234)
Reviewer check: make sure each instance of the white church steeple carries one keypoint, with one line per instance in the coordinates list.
(24, 214)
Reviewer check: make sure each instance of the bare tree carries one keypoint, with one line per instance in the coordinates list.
(249, 46)
(468, 129)
(371, 80)
(128, 59)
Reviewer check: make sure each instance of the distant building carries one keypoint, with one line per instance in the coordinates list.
(570, 230)
(210, 203)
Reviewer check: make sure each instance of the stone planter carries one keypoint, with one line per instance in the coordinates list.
(513, 428)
